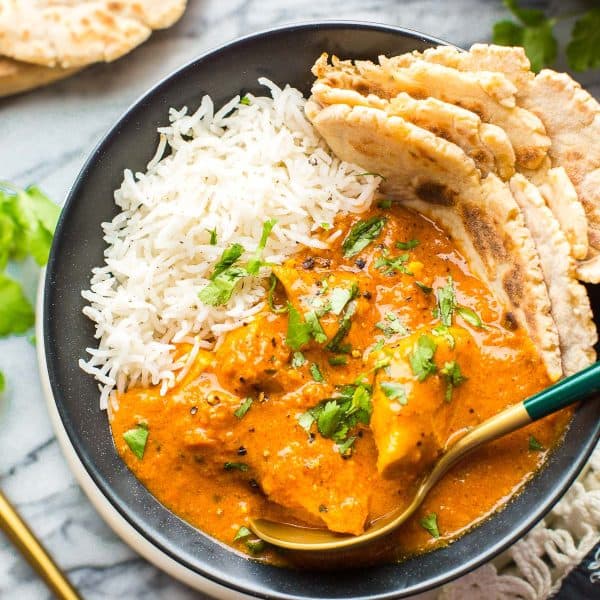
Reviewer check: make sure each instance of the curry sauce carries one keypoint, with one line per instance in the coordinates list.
(333, 422)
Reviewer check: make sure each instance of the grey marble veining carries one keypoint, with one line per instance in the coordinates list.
(45, 137)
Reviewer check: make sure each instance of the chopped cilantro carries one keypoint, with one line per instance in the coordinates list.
(377, 346)
(392, 325)
(390, 264)
(444, 332)
(426, 289)
(136, 439)
(272, 285)
(407, 245)
(430, 524)
(421, 358)
(316, 373)
(315, 328)
(335, 344)
(336, 416)
(361, 235)
(245, 100)
(326, 226)
(256, 262)
(394, 391)
(338, 360)
(454, 377)
(243, 408)
(298, 331)
(345, 448)
(213, 236)
(535, 445)
(224, 277)
(255, 546)
(446, 302)
(385, 203)
(340, 297)
(242, 532)
(470, 316)
(239, 466)
(2, 382)
(298, 360)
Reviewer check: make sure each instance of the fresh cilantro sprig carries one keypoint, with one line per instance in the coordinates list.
(534, 30)
(335, 417)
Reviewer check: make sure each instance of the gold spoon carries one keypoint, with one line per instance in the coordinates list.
(22, 537)
(572, 389)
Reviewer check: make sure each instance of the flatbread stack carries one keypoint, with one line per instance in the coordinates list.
(508, 162)
(42, 41)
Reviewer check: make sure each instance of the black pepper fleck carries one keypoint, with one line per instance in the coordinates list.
(367, 295)
(360, 263)
(241, 451)
(309, 263)
(193, 410)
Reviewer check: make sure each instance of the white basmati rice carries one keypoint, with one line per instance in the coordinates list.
(228, 171)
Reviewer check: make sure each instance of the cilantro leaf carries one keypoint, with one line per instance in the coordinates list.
(243, 408)
(239, 466)
(329, 418)
(339, 360)
(583, 50)
(345, 448)
(390, 264)
(454, 377)
(245, 100)
(430, 524)
(392, 325)
(421, 358)
(444, 332)
(305, 420)
(385, 203)
(16, 313)
(298, 331)
(242, 532)
(470, 316)
(255, 546)
(315, 327)
(535, 445)
(340, 297)
(136, 439)
(271, 302)
(213, 236)
(256, 262)
(407, 245)
(2, 382)
(361, 235)
(534, 33)
(229, 257)
(335, 344)
(394, 391)
(446, 300)
(222, 286)
(316, 373)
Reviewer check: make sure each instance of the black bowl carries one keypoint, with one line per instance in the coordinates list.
(284, 55)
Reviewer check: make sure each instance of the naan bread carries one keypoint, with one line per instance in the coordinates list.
(489, 95)
(568, 298)
(436, 178)
(69, 34)
(17, 76)
(572, 121)
(488, 145)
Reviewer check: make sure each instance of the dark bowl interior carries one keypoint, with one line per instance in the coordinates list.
(284, 55)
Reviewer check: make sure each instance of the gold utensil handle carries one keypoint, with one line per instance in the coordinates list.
(22, 537)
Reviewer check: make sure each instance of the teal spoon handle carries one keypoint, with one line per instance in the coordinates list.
(569, 390)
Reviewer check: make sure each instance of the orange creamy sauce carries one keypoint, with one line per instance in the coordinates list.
(294, 477)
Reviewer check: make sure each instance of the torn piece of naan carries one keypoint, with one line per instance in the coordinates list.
(570, 304)
(490, 95)
(488, 145)
(436, 178)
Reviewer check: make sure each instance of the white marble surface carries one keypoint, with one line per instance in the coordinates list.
(44, 138)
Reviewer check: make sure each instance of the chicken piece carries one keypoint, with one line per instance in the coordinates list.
(411, 418)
